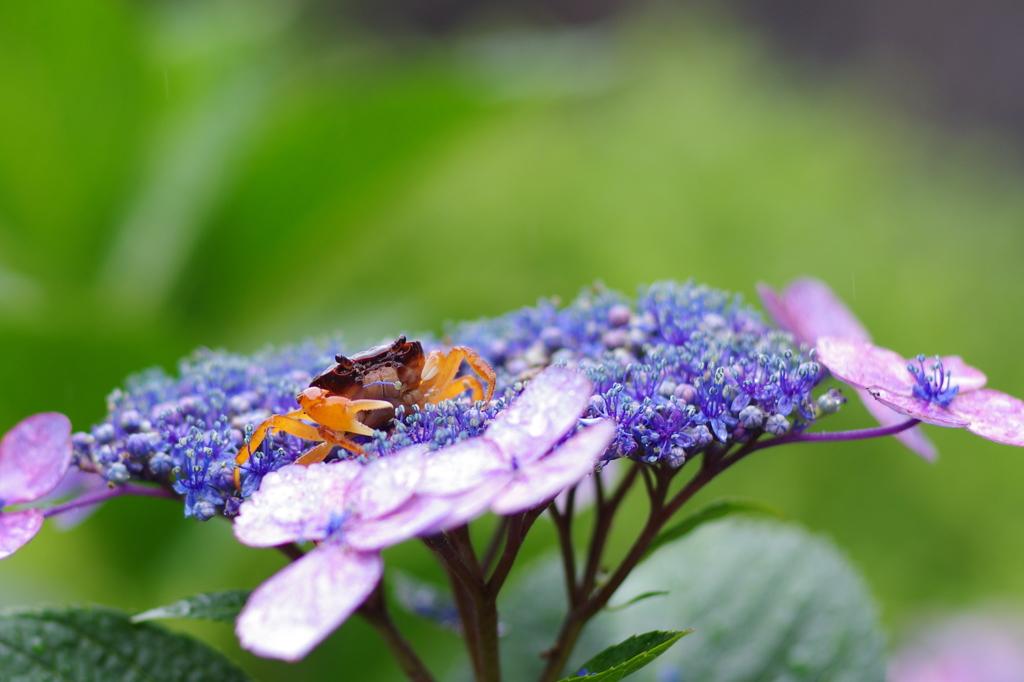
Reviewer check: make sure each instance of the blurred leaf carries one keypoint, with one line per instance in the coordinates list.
(625, 658)
(766, 600)
(223, 606)
(89, 644)
(710, 512)
(531, 609)
(76, 106)
(638, 598)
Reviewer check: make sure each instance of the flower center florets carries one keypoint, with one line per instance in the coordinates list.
(936, 387)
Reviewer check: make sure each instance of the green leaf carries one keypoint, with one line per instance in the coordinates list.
(96, 644)
(628, 656)
(639, 597)
(766, 600)
(711, 512)
(223, 606)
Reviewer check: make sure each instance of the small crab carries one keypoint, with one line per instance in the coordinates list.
(360, 394)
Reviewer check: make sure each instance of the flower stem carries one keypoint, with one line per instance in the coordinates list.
(832, 436)
(591, 598)
(95, 497)
(374, 611)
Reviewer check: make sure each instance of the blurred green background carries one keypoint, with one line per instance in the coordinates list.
(231, 174)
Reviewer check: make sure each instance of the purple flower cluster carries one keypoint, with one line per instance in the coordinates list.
(684, 369)
(186, 431)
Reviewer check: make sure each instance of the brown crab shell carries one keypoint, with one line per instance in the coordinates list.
(390, 371)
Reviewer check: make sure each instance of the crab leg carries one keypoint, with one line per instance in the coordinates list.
(342, 414)
(316, 454)
(458, 386)
(440, 370)
(288, 423)
(483, 370)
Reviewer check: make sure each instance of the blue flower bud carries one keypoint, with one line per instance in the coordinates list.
(116, 473)
(751, 417)
(776, 424)
(139, 445)
(104, 433)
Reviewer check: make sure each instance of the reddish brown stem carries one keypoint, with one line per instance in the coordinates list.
(374, 611)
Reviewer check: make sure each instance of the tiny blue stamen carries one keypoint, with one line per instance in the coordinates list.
(936, 387)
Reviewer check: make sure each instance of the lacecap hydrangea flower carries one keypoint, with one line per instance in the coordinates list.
(682, 370)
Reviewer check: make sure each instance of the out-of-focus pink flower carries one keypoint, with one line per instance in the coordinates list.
(965, 649)
(34, 457)
(353, 511)
(946, 392)
(809, 309)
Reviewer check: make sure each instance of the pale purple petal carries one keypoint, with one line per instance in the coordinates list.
(992, 415)
(815, 311)
(33, 457)
(916, 408)
(776, 309)
(586, 491)
(961, 374)
(17, 528)
(461, 467)
(387, 483)
(304, 602)
(296, 503)
(75, 483)
(541, 480)
(541, 415)
(864, 365)
(419, 516)
(913, 438)
(472, 503)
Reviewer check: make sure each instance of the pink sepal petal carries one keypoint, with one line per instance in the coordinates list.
(419, 516)
(815, 311)
(960, 373)
(34, 456)
(864, 365)
(992, 415)
(585, 490)
(566, 466)
(17, 528)
(928, 412)
(472, 503)
(776, 309)
(300, 605)
(296, 503)
(385, 484)
(913, 438)
(461, 467)
(541, 415)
